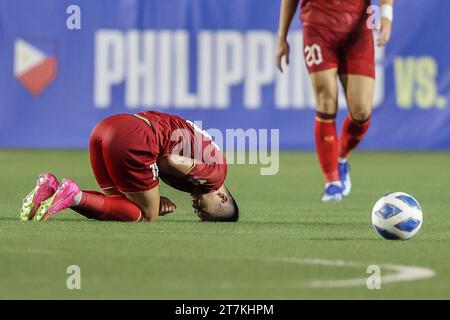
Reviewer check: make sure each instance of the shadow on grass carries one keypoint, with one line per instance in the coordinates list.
(343, 239)
(32, 221)
(304, 223)
(162, 220)
(262, 224)
(81, 219)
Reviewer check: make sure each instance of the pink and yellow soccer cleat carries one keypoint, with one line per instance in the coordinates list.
(61, 200)
(46, 186)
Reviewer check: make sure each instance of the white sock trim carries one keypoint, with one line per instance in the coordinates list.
(77, 199)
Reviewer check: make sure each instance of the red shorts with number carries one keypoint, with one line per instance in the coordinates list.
(120, 154)
(350, 53)
(124, 151)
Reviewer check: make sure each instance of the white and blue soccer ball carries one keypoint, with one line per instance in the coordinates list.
(397, 216)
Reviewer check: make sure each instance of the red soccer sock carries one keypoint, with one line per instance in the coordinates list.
(95, 205)
(352, 134)
(327, 145)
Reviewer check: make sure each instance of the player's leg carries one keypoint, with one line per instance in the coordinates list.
(359, 93)
(357, 77)
(325, 88)
(106, 151)
(91, 204)
(322, 58)
(110, 205)
(98, 206)
(122, 169)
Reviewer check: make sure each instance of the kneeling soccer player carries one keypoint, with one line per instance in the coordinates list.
(128, 154)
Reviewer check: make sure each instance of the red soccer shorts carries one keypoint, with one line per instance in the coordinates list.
(350, 53)
(121, 155)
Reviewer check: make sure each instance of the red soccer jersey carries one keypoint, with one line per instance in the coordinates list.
(175, 135)
(336, 15)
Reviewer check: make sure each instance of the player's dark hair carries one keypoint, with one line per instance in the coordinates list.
(235, 216)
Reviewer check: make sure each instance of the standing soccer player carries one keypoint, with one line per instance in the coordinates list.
(337, 43)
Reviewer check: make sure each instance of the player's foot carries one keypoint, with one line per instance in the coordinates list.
(333, 192)
(344, 174)
(62, 199)
(46, 186)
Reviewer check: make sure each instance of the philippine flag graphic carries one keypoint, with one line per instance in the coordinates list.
(33, 67)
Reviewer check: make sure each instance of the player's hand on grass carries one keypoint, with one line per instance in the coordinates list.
(384, 32)
(166, 206)
(282, 51)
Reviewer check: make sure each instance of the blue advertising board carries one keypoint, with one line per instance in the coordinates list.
(208, 60)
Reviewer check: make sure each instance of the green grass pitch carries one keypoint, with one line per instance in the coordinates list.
(261, 257)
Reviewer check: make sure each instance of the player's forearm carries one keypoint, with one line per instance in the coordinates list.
(287, 12)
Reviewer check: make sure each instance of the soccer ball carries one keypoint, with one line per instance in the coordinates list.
(397, 216)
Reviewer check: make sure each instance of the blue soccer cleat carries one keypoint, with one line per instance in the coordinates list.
(344, 174)
(333, 192)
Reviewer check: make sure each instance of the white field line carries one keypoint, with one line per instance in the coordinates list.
(30, 251)
(402, 273)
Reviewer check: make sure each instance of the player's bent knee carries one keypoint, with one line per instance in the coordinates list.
(360, 114)
(326, 106)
